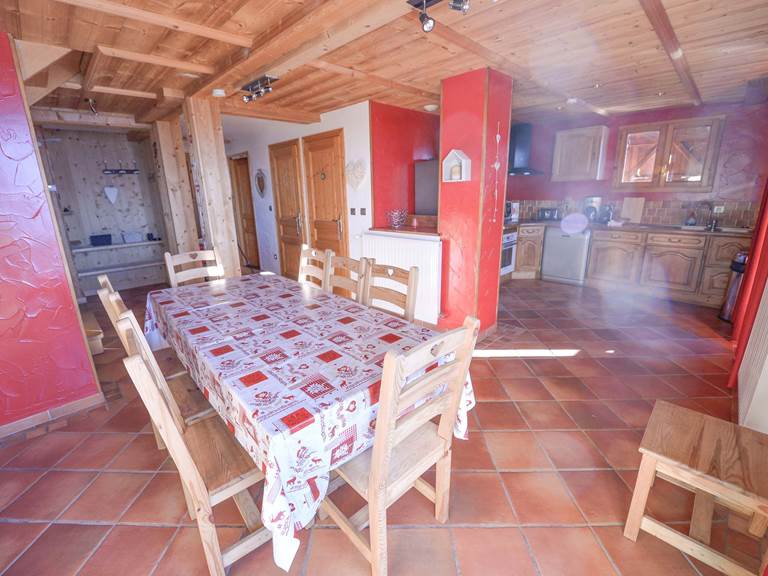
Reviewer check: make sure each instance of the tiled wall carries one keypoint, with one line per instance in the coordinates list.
(660, 212)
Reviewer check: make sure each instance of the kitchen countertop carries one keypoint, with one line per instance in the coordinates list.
(649, 228)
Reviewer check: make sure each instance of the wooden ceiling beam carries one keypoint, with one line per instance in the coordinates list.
(155, 60)
(96, 67)
(316, 29)
(236, 107)
(162, 20)
(73, 84)
(659, 19)
(69, 117)
(35, 57)
(53, 77)
(446, 36)
(168, 100)
(373, 78)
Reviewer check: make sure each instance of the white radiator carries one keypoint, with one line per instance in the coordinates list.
(403, 250)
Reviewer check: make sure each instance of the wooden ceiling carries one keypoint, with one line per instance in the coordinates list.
(141, 57)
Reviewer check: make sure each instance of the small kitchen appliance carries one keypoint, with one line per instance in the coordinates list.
(592, 207)
(511, 212)
(549, 214)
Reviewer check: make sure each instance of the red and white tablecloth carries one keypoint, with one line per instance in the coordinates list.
(294, 371)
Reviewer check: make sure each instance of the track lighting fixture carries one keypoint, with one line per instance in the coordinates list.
(258, 88)
(427, 22)
(459, 5)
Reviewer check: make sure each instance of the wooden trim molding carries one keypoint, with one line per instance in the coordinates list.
(50, 415)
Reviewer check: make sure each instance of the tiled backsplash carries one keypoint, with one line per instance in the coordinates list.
(661, 212)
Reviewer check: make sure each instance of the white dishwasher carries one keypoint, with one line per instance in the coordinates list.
(565, 256)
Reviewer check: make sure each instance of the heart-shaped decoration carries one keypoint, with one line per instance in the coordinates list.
(355, 171)
(111, 193)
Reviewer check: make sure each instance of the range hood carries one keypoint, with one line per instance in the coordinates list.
(520, 150)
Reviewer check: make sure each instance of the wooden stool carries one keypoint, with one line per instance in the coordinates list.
(720, 462)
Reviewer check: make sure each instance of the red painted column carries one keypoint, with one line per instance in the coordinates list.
(44, 361)
(475, 109)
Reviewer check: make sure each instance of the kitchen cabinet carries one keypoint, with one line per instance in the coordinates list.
(717, 266)
(679, 155)
(530, 242)
(714, 282)
(579, 154)
(615, 261)
(671, 268)
(722, 249)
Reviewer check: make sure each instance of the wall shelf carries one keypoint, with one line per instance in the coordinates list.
(120, 268)
(83, 249)
(457, 167)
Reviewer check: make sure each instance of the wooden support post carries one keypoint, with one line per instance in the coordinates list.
(215, 195)
(645, 477)
(174, 186)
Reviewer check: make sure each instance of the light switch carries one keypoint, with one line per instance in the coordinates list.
(352, 211)
(270, 207)
(718, 209)
(362, 211)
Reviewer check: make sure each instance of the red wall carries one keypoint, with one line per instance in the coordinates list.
(474, 106)
(742, 163)
(44, 361)
(398, 137)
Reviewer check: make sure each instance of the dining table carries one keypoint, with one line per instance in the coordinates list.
(295, 373)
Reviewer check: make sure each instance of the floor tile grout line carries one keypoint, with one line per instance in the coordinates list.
(13, 561)
(164, 551)
(95, 549)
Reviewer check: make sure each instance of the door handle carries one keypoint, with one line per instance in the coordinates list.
(338, 225)
(298, 224)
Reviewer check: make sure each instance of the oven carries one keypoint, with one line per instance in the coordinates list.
(508, 252)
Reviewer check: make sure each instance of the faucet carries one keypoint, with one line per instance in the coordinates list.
(711, 220)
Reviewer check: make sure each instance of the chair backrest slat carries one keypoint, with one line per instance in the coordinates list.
(149, 390)
(381, 283)
(208, 266)
(348, 274)
(314, 266)
(136, 344)
(432, 375)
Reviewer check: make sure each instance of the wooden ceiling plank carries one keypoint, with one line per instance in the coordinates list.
(360, 75)
(69, 117)
(442, 33)
(162, 20)
(659, 19)
(320, 29)
(235, 107)
(155, 60)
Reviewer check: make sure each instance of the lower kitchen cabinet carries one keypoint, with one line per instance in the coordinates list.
(671, 268)
(615, 261)
(714, 283)
(530, 241)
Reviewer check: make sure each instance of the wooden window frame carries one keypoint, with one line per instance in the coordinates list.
(666, 129)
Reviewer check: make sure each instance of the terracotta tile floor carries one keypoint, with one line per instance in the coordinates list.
(564, 387)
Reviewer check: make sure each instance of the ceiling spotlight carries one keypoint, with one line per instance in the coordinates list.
(219, 93)
(660, 93)
(427, 22)
(258, 88)
(431, 107)
(459, 5)
(572, 100)
(596, 85)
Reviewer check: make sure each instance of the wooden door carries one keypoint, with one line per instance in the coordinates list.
(289, 205)
(615, 261)
(245, 219)
(326, 191)
(671, 268)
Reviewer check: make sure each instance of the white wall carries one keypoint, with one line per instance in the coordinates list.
(254, 136)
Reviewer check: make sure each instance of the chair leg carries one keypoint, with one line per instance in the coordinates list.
(158, 438)
(645, 477)
(210, 540)
(443, 487)
(701, 519)
(378, 530)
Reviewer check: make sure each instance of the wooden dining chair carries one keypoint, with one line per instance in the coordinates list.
(407, 442)
(314, 266)
(105, 282)
(166, 358)
(185, 400)
(209, 267)
(380, 284)
(348, 275)
(212, 466)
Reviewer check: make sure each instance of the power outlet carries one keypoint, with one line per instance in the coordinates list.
(362, 211)
(718, 209)
(352, 211)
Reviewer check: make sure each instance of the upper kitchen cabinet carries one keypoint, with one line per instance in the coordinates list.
(579, 154)
(679, 155)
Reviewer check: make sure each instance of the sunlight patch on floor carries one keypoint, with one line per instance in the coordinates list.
(526, 353)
